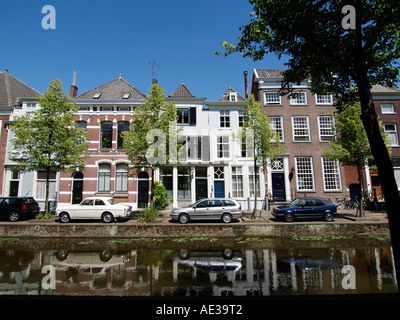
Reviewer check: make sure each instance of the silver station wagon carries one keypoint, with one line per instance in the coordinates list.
(225, 210)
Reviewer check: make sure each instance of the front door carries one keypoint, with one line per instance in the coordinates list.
(219, 189)
(201, 189)
(143, 189)
(77, 187)
(278, 186)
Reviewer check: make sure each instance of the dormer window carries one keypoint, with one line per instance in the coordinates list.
(233, 96)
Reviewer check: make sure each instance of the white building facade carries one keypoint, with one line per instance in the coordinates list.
(212, 163)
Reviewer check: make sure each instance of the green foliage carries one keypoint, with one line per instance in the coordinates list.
(261, 140)
(310, 34)
(351, 146)
(160, 196)
(44, 216)
(49, 139)
(154, 114)
(258, 138)
(148, 215)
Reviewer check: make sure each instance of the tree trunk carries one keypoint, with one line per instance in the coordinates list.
(47, 191)
(385, 168)
(361, 195)
(377, 144)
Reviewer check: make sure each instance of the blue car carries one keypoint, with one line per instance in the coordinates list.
(306, 208)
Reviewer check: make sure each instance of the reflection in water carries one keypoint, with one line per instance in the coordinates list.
(198, 272)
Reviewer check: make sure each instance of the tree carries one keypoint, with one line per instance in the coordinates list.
(49, 139)
(261, 141)
(152, 141)
(335, 51)
(351, 147)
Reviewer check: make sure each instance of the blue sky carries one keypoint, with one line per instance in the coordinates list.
(102, 39)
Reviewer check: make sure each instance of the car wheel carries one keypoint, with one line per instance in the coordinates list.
(227, 254)
(184, 254)
(329, 216)
(226, 217)
(107, 217)
(13, 216)
(64, 217)
(289, 217)
(106, 255)
(184, 218)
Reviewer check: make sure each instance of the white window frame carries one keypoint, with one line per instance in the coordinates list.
(121, 177)
(232, 96)
(224, 119)
(252, 182)
(392, 132)
(41, 186)
(387, 112)
(276, 98)
(278, 129)
(294, 100)
(324, 99)
(301, 173)
(237, 182)
(223, 146)
(241, 118)
(104, 177)
(297, 126)
(182, 120)
(194, 147)
(331, 174)
(323, 126)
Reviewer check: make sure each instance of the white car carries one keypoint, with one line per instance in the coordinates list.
(104, 208)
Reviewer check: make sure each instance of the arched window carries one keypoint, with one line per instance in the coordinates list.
(122, 126)
(104, 177)
(106, 135)
(121, 178)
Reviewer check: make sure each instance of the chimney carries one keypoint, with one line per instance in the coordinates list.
(74, 89)
(246, 91)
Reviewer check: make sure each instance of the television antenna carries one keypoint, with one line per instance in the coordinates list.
(153, 65)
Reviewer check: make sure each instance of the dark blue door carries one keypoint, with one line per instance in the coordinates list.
(219, 189)
(278, 186)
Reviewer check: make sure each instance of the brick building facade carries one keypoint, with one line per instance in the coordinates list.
(305, 126)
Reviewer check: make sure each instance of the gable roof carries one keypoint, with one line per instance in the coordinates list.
(117, 89)
(225, 96)
(269, 73)
(378, 88)
(182, 92)
(12, 88)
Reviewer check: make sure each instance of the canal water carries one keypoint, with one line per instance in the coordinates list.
(197, 266)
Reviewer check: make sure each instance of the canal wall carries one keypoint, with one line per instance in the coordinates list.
(218, 230)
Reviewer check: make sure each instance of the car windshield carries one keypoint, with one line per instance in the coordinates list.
(294, 203)
(112, 201)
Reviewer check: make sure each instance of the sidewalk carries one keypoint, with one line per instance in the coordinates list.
(267, 217)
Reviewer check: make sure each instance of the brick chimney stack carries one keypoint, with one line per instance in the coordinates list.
(74, 89)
